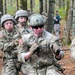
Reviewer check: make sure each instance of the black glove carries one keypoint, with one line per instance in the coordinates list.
(57, 52)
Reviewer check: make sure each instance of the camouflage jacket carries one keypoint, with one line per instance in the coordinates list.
(7, 42)
(43, 55)
(23, 30)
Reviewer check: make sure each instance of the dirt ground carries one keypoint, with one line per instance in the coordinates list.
(67, 62)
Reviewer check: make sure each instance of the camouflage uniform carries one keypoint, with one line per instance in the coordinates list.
(42, 59)
(24, 29)
(8, 46)
(72, 49)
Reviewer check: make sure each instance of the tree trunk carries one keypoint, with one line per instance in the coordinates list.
(31, 5)
(50, 16)
(59, 3)
(41, 6)
(17, 6)
(1, 7)
(5, 7)
(23, 4)
(46, 6)
(73, 19)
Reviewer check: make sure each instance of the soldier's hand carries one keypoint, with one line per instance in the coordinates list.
(59, 54)
(33, 47)
(23, 57)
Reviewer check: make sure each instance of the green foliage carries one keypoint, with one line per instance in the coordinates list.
(11, 10)
(62, 12)
(36, 7)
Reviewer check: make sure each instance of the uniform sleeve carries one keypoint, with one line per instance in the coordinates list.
(6, 46)
(26, 38)
(1, 40)
(72, 49)
(54, 43)
(1, 44)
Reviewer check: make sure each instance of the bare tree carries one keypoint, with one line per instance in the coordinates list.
(17, 6)
(46, 6)
(41, 6)
(5, 7)
(1, 6)
(73, 18)
(31, 5)
(23, 4)
(50, 15)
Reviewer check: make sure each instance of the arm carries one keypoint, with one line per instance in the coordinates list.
(56, 48)
(72, 49)
(26, 55)
(55, 18)
(59, 54)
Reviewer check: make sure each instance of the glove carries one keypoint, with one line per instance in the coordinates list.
(33, 48)
(21, 57)
(59, 54)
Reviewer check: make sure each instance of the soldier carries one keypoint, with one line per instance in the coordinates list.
(21, 17)
(8, 43)
(43, 48)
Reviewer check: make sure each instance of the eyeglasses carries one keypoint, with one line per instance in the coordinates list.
(36, 27)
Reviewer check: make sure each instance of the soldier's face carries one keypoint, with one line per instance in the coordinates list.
(38, 30)
(8, 25)
(22, 19)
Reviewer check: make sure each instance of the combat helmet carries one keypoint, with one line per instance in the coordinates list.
(7, 17)
(21, 13)
(36, 20)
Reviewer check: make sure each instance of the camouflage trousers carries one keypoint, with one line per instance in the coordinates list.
(27, 69)
(9, 68)
(57, 29)
(51, 70)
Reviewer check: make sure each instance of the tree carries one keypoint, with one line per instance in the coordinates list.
(1, 6)
(41, 6)
(31, 5)
(5, 7)
(17, 6)
(50, 15)
(23, 4)
(46, 6)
